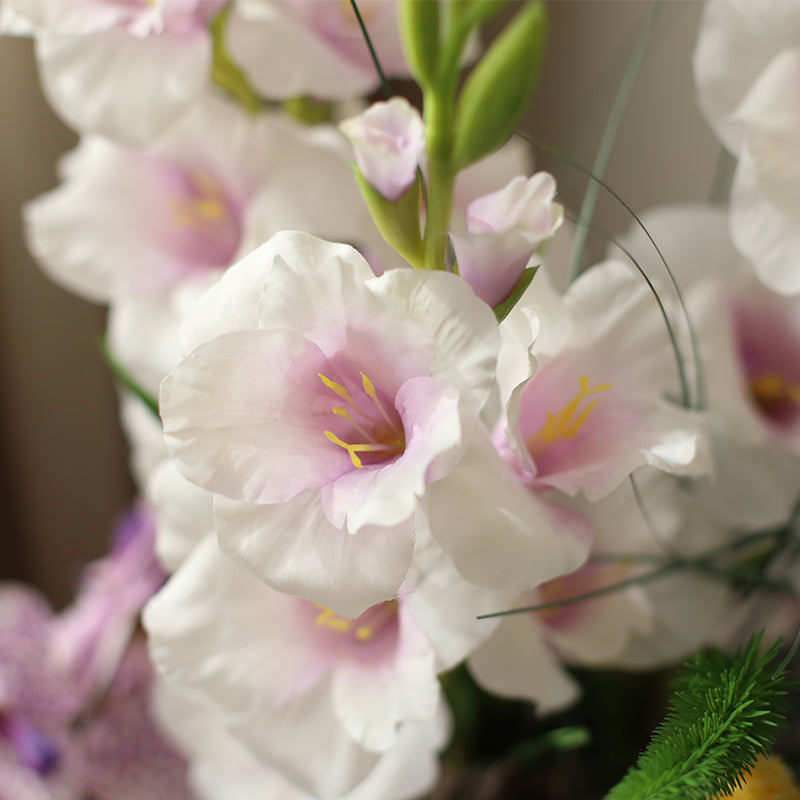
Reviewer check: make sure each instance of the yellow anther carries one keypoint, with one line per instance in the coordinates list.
(369, 388)
(351, 448)
(564, 424)
(774, 387)
(336, 387)
(208, 206)
(364, 633)
(329, 619)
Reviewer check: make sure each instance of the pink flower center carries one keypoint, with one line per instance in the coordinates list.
(565, 424)
(378, 433)
(375, 621)
(561, 591)
(766, 330)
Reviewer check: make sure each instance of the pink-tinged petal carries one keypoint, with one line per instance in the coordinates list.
(371, 702)
(517, 662)
(769, 238)
(488, 175)
(387, 494)
(178, 213)
(328, 294)
(213, 627)
(464, 330)
(292, 49)
(498, 533)
(272, 45)
(388, 141)
(238, 431)
(595, 632)
(294, 548)
(158, 77)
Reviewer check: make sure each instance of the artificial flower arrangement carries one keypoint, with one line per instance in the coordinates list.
(413, 477)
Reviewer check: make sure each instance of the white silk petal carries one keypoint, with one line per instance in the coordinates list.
(295, 549)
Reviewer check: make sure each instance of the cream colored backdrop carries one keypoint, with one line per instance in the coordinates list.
(62, 460)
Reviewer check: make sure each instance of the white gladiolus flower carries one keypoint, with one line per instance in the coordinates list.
(324, 699)
(318, 403)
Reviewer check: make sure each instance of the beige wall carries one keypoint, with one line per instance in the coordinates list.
(62, 463)
(62, 466)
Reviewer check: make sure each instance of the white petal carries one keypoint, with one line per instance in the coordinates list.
(126, 88)
(294, 548)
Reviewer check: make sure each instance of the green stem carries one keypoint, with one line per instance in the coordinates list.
(441, 177)
(439, 111)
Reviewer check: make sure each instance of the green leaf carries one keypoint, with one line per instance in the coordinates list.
(502, 310)
(127, 380)
(397, 221)
(724, 713)
(498, 89)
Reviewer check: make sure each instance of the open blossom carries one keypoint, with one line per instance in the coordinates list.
(149, 230)
(318, 403)
(360, 685)
(749, 337)
(504, 229)
(388, 141)
(593, 410)
(292, 48)
(104, 65)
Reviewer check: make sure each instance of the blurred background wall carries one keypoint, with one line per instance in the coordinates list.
(63, 474)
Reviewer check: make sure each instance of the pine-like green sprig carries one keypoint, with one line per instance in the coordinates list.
(725, 711)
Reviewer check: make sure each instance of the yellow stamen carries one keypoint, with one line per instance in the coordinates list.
(338, 388)
(329, 619)
(209, 206)
(773, 387)
(369, 388)
(352, 449)
(377, 439)
(377, 620)
(564, 424)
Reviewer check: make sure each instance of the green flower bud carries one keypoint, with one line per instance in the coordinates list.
(419, 27)
(497, 91)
